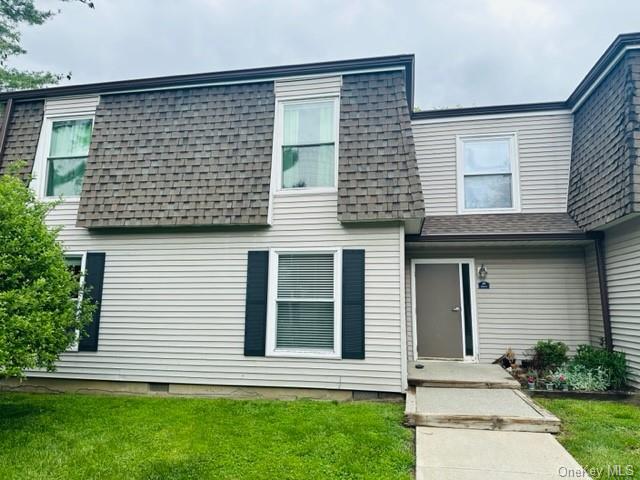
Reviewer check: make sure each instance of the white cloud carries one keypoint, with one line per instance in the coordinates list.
(468, 52)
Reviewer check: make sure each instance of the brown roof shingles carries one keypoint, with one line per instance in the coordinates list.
(23, 132)
(378, 172)
(187, 157)
(605, 159)
(500, 224)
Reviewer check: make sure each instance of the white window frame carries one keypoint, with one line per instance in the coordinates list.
(272, 292)
(278, 139)
(83, 266)
(512, 138)
(41, 165)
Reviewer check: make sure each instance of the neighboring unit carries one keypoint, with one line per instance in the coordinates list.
(299, 227)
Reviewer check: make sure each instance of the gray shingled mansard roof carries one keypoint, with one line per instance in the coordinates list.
(188, 157)
(201, 155)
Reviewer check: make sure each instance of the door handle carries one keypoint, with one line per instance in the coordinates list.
(455, 309)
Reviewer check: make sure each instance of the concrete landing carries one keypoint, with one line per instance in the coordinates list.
(459, 375)
(453, 454)
(483, 409)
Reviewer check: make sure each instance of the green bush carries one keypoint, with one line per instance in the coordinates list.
(549, 355)
(39, 312)
(614, 364)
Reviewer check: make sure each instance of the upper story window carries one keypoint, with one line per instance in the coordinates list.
(63, 147)
(309, 131)
(487, 174)
(67, 157)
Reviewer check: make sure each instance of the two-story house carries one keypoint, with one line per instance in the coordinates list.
(300, 227)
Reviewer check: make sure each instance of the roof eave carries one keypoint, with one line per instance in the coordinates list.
(405, 61)
(504, 237)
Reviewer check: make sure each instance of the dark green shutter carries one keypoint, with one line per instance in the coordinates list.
(353, 304)
(255, 316)
(94, 278)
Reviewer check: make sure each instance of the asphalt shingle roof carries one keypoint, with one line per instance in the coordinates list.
(23, 132)
(187, 157)
(378, 172)
(499, 224)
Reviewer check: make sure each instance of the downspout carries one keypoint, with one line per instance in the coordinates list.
(6, 117)
(604, 291)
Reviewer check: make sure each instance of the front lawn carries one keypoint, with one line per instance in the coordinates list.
(83, 436)
(600, 434)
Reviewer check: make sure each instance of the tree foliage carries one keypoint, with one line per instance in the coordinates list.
(13, 15)
(39, 311)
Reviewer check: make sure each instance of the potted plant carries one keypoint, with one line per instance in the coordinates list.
(549, 383)
(562, 382)
(531, 381)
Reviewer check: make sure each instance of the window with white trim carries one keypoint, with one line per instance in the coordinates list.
(67, 154)
(305, 303)
(487, 174)
(308, 137)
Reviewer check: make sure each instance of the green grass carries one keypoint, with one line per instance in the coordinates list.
(82, 436)
(599, 434)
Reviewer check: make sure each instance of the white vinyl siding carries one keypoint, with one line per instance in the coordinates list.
(173, 303)
(536, 293)
(622, 247)
(544, 155)
(308, 87)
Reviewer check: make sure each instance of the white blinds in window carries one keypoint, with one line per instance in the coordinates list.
(305, 301)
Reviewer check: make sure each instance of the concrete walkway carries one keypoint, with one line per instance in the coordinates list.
(473, 422)
(435, 373)
(454, 454)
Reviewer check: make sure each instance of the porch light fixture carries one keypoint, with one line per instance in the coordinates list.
(482, 272)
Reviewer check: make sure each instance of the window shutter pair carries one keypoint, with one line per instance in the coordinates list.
(352, 304)
(94, 280)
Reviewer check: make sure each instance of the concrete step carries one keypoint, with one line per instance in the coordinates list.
(453, 454)
(478, 409)
(446, 374)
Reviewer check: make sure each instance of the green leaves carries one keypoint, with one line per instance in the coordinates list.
(39, 315)
(14, 14)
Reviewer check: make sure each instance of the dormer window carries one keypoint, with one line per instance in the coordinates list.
(67, 158)
(487, 174)
(308, 144)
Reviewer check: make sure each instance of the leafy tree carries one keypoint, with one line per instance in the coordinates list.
(39, 310)
(13, 14)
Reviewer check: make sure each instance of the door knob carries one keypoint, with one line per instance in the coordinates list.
(455, 309)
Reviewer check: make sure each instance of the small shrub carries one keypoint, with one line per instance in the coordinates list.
(579, 377)
(614, 364)
(549, 355)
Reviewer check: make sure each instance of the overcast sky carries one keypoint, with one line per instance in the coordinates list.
(468, 52)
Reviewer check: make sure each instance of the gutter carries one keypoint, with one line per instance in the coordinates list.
(510, 237)
(604, 291)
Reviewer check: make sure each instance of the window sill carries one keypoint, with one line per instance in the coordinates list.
(489, 210)
(328, 355)
(61, 199)
(305, 191)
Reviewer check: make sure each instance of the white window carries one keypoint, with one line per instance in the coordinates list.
(487, 174)
(304, 316)
(75, 264)
(307, 144)
(68, 150)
